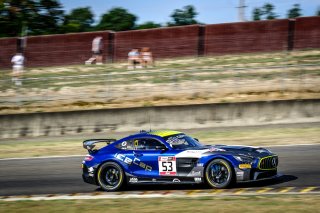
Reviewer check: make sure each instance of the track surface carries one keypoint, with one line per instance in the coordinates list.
(299, 166)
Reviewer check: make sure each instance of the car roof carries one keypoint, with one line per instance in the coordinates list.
(158, 133)
(164, 133)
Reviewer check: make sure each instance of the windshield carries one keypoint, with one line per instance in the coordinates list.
(182, 141)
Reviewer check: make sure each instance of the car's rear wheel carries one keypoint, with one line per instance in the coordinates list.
(110, 176)
(219, 174)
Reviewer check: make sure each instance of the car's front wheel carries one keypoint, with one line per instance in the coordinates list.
(110, 176)
(219, 174)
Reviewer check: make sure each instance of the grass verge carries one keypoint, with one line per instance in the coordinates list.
(287, 203)
(266, 136)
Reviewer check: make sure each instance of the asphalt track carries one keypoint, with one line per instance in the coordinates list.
(299, 167)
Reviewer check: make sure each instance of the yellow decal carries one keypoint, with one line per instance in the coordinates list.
(245, 166)
(164, 133)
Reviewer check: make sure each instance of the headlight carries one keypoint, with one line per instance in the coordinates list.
(244, 159)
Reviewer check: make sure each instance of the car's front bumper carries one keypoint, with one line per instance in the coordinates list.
(244, 175)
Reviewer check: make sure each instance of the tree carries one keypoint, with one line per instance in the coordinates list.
(256, 14)
(79, 20)
(268, 11)
(117, 19)
(183, 17)
(32, 16)
(265, 12)
(294, 12)
(318, 12)
(148, 25)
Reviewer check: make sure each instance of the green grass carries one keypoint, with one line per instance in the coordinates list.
(261, 204)
(267, 136)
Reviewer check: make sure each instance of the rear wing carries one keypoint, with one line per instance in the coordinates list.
(90, 144)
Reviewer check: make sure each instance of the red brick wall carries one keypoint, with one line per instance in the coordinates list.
(64, 49)
(258, 36)
(8, 47)
(164, 42)
(307, 32)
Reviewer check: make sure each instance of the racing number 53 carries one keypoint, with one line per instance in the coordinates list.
(167, 165)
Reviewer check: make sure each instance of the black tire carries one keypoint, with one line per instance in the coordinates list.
(110, 176)
(219, 174)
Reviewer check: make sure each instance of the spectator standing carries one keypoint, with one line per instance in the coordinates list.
(97, 47)
(17, 68)
(134, 60)
(146, 57)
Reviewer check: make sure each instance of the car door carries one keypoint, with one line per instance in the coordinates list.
(152, 159)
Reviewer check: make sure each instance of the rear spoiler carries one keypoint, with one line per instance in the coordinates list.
(90, 144)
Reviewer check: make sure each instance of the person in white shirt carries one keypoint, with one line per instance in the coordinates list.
(134, 60)
(17, 68)
(97, 47)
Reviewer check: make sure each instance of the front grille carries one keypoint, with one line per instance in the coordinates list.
(268, 163)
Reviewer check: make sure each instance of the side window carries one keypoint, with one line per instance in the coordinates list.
(141, 144)
(125, 145)
(147, 144)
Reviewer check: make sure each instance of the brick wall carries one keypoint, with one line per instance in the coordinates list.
(307, 33)
(164, 42)
(51, 50)
(65, 49)
(194, 40)
(8, 47)
(245, 37)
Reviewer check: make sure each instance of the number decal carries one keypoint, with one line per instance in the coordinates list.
(167, 166)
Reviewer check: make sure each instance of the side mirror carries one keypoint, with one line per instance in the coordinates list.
(196, 139)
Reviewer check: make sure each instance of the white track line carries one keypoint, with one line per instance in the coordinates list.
(43, 157)
(155, 195)
(71, 156)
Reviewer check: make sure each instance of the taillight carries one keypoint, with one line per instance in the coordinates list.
(88, 158)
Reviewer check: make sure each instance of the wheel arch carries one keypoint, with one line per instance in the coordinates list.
(113, 161)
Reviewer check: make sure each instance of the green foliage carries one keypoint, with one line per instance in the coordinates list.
(294, 12)
(79, 20)
(35, 16)
(117, 19)
(268, 11)
(148, 25)
(318, 12)
(184, 17)
(265, 12)
(257, 13)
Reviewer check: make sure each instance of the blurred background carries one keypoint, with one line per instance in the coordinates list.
(263, 51)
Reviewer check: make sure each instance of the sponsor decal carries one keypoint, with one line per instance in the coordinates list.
(167, 165)
(214, 149)
(245, 166)
(133, 180)
(176, 180)
(197, 179)
(195, 173)
(124, 143)
(135, 161)
(240, 174)
(154, 180)
(90, 169)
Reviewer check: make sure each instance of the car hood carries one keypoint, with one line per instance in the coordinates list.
(224, 149)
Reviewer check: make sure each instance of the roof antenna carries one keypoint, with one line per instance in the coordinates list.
(149, 120)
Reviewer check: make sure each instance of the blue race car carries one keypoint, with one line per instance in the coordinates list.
(172, 157)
